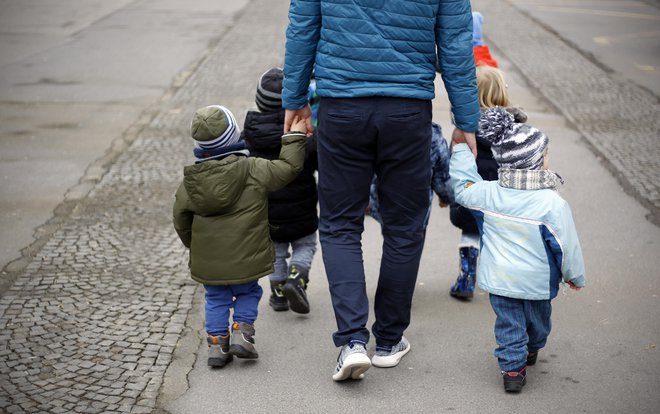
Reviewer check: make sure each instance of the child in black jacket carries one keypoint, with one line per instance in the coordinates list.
(292, 210)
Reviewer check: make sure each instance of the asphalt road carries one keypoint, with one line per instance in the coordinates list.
(73, 78)
(622, 35)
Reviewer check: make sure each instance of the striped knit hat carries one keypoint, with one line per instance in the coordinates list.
(214, 127)
(269, 91)
(514, 145)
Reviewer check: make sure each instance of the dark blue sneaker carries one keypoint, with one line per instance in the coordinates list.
(464, 286)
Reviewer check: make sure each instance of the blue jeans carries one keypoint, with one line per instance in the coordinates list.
(244, 298)
(357, 138)
(521, 326)
(302, 254)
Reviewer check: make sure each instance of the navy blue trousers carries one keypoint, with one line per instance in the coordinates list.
(358, 137)
(521, 326)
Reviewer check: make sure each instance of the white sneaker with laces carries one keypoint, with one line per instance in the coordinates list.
(352, 362)
(387, 357)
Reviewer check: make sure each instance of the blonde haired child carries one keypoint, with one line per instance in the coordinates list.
(492, 87)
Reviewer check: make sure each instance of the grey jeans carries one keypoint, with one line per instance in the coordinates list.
(302, 254)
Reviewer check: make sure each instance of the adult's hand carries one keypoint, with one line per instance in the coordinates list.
(302, 113)
(460, 136)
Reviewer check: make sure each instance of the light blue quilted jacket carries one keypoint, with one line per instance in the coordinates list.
(388, 48)
(528, 239)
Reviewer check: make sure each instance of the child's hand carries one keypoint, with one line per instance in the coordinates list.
(572, 285)
(458, 137)
(298, 125)
(442, 204)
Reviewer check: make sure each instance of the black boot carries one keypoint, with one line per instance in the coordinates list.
(294, 290)
(277, 300)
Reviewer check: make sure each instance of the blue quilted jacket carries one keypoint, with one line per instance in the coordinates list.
(382, 48)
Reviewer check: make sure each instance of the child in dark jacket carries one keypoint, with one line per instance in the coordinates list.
(220, 214)
(291, 210)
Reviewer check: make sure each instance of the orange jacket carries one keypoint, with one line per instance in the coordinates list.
(482, 56)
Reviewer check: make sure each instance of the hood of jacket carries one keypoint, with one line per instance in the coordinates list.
(263, 130)
(214, 186)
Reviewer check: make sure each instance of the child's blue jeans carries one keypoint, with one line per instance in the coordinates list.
(521, 326)
(244, 298)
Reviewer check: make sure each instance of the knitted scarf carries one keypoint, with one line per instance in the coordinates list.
(529, 179)
(219, 153)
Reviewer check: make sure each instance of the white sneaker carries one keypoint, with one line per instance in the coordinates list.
(390, 356)
(352, 362)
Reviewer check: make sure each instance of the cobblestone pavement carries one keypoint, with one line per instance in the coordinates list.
(91, 324)
(619, 119)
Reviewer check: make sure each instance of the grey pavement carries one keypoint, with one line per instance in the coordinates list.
(106, 319)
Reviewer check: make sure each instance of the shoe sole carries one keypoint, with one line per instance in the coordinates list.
(297, 301)
(354, 367)
(390, 360)
(219, 362)
(461, 295)
(240, 352)
(279, 308)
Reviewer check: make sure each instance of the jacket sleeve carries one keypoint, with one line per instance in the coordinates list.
(463, 172)
(440, 180)
(565, 247)
(302, 38)
(453, 36)
(182, 217)
(275, 174)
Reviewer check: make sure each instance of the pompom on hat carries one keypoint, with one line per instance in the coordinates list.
(514, 145)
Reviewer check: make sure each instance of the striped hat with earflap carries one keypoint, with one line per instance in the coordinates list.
(214, 128)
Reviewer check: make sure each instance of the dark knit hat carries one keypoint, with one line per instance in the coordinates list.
(214, 127)
(514, 145)
(269, 91)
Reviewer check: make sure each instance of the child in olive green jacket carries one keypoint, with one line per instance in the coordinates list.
(221, 215)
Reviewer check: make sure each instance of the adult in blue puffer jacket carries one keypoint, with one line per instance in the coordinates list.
(374, 63)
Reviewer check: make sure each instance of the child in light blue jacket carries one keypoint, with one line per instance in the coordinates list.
(528, 239)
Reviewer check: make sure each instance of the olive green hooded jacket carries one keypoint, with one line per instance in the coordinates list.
(221, 213)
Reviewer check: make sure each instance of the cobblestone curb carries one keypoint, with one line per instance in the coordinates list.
(618, 118)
